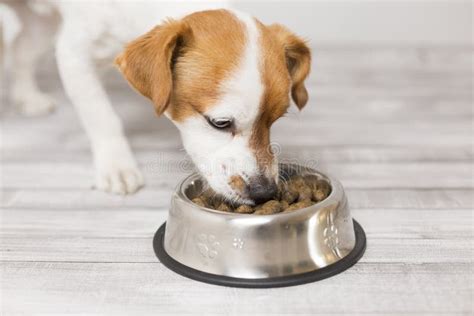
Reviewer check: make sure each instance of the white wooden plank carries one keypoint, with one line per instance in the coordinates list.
(158, 173)
(453, 59)
(157, 197)
(406, 108)
(371, 133)
(328, 153)
(306, 131)
(97, 288)
(410, 199)
(411, 236)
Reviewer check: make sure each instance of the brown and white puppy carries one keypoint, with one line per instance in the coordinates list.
(223, 78)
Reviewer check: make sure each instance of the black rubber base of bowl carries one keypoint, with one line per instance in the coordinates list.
(307, 277)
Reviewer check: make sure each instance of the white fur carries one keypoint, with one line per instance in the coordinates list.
(27, 50)
(92, 30)
(218, 154)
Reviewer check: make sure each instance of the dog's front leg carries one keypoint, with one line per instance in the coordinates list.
(116, 168)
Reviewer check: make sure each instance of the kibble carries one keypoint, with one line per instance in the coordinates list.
(244, 209)
(298, 205)
(290, 194)
(199, 201)
(321, 191)
(270, 207)
(295, 193)
(224, 207)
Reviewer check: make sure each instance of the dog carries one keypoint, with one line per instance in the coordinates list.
(221, 76)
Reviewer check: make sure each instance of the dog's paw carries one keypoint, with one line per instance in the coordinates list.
(119, 180)
(117, 171)
(35, 104)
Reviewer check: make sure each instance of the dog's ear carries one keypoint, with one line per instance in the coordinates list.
(298, 60)
(147, 62)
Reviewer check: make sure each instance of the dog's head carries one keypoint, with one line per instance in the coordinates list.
(223, 78)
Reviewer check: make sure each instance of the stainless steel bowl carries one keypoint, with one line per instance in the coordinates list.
(259, 250)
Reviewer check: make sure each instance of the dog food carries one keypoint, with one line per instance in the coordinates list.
(298, 192)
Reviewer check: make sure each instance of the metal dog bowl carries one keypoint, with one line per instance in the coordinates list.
(246, 250)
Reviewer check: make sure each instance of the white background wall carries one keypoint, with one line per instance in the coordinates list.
(384, 22)
(373, 22)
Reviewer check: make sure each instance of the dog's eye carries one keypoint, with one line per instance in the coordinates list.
(220, 122)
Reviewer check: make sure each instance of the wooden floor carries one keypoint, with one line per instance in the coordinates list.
(393, 124)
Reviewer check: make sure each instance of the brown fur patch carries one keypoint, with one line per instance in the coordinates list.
(179, 65)
(298, 58)
(260, 144)
(215, 53)
(274, 75)
(145, 62)
(285, 62)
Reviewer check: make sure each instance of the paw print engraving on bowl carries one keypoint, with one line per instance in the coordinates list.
(330, 233)
(208, 245)
(238, 243)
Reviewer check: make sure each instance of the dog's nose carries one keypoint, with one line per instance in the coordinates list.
(262, 189)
